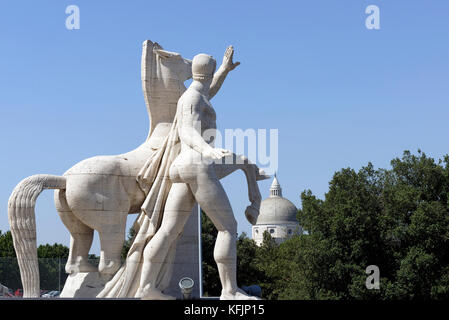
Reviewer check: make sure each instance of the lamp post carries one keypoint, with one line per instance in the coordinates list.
(186, 285)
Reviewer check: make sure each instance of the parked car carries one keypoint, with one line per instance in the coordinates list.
(5, 292)
(44, 292)
(6, 295)
(51, 294)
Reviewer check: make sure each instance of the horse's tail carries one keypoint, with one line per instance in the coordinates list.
(23, 226)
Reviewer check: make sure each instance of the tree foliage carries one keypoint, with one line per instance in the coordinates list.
(9, 268)
(128, 242)
(396, 219)
(52, 260)
(211, 280)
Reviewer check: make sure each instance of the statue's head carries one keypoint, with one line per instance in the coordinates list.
(203, 67)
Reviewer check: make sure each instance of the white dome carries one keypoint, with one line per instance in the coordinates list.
(276, 209)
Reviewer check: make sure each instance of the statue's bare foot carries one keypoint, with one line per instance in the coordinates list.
(239, 294)
(152, 294)
(82, 265)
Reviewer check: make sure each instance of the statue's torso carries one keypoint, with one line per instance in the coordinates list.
(202, 111)
(195, 110)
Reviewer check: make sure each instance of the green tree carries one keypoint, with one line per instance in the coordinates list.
(9, 268)
(52, 260)
(267, 262)
(128, 242)
(248, 273)
(211, 280)
(397, 219)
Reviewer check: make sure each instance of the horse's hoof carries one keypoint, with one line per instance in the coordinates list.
(108, 269)
(80, 266)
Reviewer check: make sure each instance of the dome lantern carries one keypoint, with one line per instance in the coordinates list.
(275, 189)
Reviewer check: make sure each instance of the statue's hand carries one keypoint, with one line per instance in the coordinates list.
(227, 59)
(216, 153)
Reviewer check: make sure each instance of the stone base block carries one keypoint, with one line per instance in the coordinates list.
(82, 285)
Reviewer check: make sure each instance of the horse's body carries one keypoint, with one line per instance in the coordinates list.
(98, 193)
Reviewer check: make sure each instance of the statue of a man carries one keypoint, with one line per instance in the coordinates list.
(194, 177)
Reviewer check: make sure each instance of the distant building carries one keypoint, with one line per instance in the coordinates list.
(277, 217)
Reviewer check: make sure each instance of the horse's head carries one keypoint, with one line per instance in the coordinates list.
(173, 64)
(163, 76)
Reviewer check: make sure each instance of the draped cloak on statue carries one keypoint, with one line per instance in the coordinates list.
(154, 180)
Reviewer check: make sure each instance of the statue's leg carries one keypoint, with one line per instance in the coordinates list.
(177, 210)
(80, 237)
(212, 198)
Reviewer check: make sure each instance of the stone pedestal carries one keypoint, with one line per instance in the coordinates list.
(82, 285)
(186, 263)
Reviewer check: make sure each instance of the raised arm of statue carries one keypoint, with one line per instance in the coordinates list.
(222, 71)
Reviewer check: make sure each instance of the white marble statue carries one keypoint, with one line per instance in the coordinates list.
(161, 180)
(195, 174)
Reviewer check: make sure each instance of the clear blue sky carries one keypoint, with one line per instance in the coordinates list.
(339, 94)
